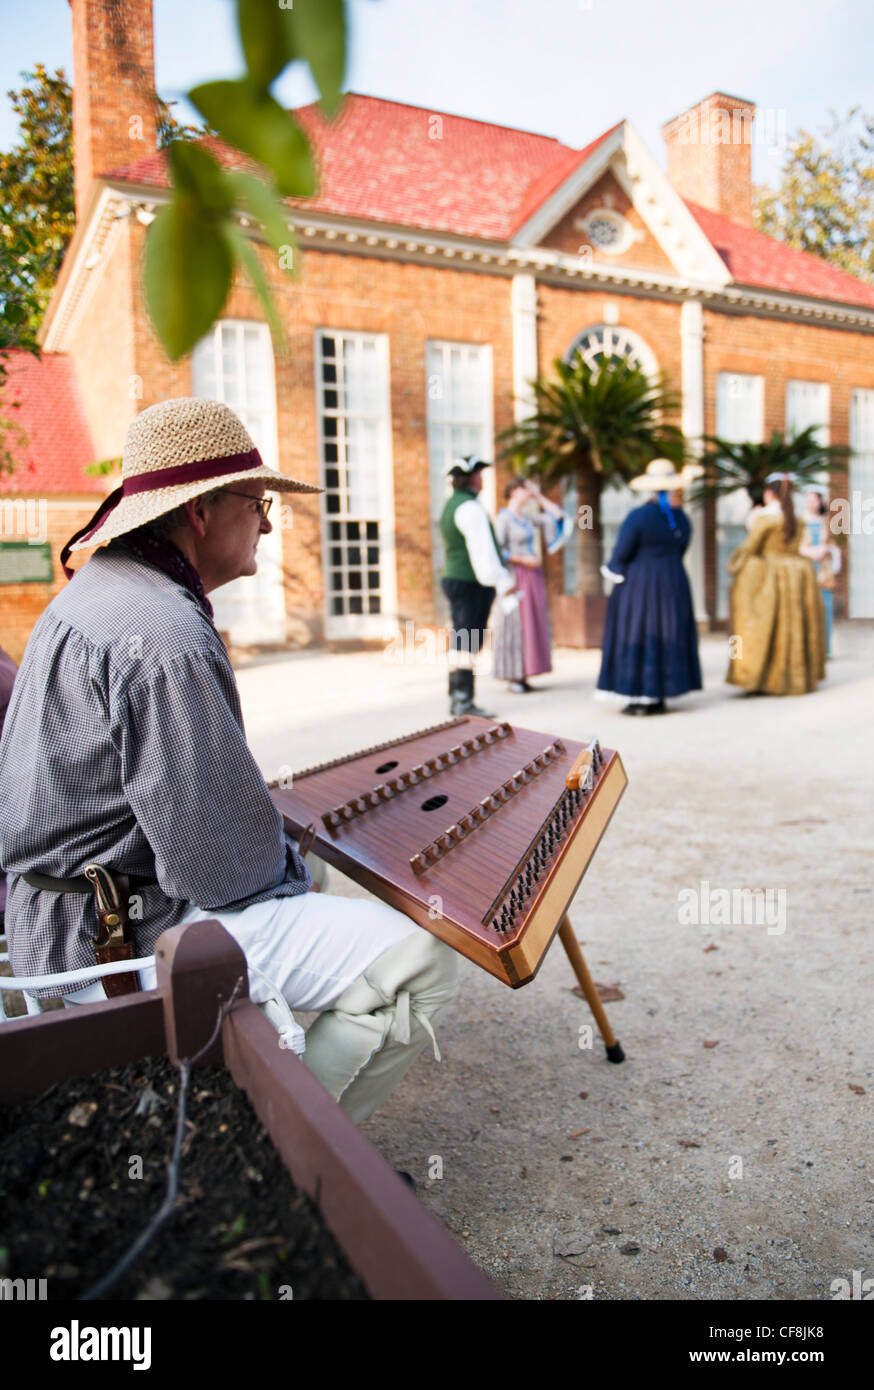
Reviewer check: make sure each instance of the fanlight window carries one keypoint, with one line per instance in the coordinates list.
(605, 343)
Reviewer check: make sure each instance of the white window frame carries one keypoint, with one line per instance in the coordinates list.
(439, 486)
(382, 625)
(732, 511)
(861, 483)
(808, 403)
(251, 609)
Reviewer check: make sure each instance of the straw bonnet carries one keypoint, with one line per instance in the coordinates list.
(175, 451)
(660, 476)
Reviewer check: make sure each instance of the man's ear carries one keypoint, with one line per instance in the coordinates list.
(195, 511)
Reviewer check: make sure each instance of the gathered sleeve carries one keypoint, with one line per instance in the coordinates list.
(473, 523)
(753, 544)
(196, 791)
(626, 546)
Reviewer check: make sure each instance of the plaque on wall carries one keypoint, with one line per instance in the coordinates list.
(23, 563)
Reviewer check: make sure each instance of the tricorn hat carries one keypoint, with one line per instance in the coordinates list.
(173, 452)
(467, 463)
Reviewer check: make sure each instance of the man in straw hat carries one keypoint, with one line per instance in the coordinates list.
(650, 646)
(124, 755)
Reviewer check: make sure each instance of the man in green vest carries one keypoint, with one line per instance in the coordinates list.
(474, 573)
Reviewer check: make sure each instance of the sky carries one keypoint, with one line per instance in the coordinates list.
(567, 68)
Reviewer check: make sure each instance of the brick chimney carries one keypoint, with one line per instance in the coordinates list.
(710, 155)
(114, 112)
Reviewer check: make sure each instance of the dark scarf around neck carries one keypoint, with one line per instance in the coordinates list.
(168, 558)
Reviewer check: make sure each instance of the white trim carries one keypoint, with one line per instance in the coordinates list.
(523, 310)
(645, 356)
(366, 626)
(668, 218)
(568, 194)
(692, 358)
(653, 197)
(495, 258)
(109, 209)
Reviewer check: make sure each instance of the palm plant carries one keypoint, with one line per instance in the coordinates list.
(729, 467)
(599, 426)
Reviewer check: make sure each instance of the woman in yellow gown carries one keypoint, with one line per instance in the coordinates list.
(777, 619)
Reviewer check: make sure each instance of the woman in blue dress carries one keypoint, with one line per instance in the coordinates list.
(650, 647)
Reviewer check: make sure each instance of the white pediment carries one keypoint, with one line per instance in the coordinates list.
(660, 207)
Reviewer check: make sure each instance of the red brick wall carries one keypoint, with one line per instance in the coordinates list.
(409, 303)
(101, 346)
(782, 352)
(710, 155)
(113, 88)
(644, 252)
(21, 604)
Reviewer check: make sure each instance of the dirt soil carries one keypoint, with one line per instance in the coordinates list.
(72, 1202)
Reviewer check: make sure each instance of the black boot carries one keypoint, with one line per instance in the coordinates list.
(462, 702)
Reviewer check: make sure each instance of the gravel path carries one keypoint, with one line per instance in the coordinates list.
(729, 1157)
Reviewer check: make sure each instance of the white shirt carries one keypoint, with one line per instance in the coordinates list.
(473, 523)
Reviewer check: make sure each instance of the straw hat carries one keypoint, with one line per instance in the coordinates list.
(660, 476)
(175, 451)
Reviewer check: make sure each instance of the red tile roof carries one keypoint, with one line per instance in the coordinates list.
(754, 258)
(50, 414)
(381, 161)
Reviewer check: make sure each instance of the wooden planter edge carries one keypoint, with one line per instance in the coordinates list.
(392, 1241)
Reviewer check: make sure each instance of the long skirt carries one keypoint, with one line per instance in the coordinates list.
(650, 645)
(522, 637)
(778, 626)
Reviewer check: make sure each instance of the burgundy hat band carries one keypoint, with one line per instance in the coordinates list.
(197, 472)
(156, 478)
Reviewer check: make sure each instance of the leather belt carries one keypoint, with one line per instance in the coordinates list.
(81, 884)
(113, 942)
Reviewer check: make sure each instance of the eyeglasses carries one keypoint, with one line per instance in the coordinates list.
(263, 504)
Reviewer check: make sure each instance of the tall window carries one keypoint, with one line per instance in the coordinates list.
(234, 364)
(807, 403)
(740, 418)
(861, 484)
(354, 439)
(459, 401)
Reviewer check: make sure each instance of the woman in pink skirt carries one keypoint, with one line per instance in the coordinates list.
(522, 639)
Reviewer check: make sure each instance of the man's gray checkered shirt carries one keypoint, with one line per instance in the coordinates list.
(124, 745)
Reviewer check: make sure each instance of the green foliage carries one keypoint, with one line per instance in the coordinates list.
(599, 426)
(194, 245)
(37, 214)
(731, 467)
(255, 123)
(609, 421)
(825, 200)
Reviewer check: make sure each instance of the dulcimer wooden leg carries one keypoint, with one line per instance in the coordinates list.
(587, 985)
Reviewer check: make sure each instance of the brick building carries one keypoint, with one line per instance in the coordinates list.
(442, 264)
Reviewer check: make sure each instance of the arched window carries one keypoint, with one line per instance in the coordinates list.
(612, 343)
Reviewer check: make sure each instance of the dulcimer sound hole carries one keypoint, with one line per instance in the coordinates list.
(386, 767)
(434, 803)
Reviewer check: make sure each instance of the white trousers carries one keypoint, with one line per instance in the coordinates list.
(383, 979)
